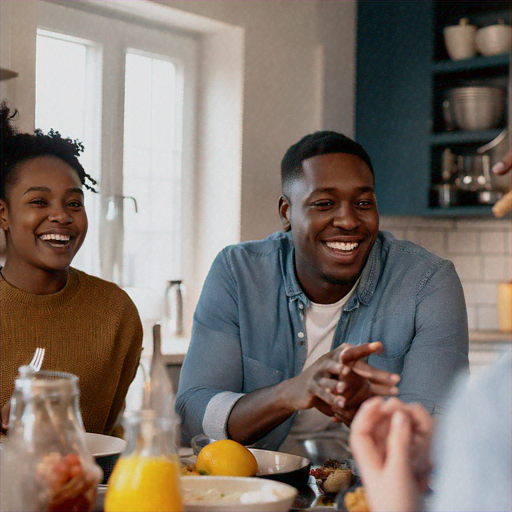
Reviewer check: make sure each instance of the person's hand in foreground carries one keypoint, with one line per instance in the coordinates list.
(504, 205)
(391, 442)
(503, 166)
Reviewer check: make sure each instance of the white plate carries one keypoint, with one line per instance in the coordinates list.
(265, 495)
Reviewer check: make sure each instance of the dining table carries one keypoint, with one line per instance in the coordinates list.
(309, 498)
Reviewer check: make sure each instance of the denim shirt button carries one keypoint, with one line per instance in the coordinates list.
(301, 306)
(300, 335)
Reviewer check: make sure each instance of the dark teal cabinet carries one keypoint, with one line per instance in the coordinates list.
(402, 69)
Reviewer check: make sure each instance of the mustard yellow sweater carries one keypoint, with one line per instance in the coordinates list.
(90, 328)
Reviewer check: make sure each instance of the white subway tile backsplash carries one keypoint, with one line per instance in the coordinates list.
(480, 293)
(487, 318)
(433, 241)
(508, 272)
(508, 240)
(495, 267)
(468, 267)
(463, 242)
(399, 234)
(388, 223)
(472, 317)
(482, 224)
(492, 242)
(480, 250)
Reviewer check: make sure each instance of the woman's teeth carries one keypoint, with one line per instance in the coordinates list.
(342, 246)
(58, 239)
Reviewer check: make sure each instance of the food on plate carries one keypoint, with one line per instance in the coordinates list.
(266, 494)
(356, 501)
(189, 470)
(226, 458)
(332, 476)
(68, 485)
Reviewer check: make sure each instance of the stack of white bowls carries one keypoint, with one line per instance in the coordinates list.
(477, 107)
(463, 41)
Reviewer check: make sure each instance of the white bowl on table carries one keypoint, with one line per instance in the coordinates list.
(282, 467)
(235, 494)
(105, 450)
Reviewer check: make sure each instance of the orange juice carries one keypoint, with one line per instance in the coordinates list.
(144, 484)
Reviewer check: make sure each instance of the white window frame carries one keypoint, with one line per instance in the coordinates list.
(108, 31)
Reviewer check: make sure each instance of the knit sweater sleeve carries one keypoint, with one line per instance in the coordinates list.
(129, 341)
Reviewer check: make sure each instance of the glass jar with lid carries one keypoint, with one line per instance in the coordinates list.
(45, 464)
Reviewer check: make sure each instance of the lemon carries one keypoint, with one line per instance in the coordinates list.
(226, 458)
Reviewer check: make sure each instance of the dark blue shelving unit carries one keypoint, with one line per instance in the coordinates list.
(393, 100)
(460, 211)
(448, 138)
(478, 63)
(402, 72)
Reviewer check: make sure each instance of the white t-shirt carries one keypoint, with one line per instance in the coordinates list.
(320, 321)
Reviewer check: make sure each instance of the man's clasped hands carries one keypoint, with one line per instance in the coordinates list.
(340, 381)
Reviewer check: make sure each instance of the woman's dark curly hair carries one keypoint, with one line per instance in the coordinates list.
(17, 148)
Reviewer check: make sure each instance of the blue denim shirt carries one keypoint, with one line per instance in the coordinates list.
(249, 332)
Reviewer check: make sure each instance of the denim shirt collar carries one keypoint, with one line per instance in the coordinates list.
(364, 292)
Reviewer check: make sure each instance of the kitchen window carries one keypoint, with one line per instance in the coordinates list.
(127, 91)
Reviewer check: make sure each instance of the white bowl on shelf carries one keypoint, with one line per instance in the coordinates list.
(494, 39)
(460, 40)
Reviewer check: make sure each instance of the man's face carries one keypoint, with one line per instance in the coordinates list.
(331, 210)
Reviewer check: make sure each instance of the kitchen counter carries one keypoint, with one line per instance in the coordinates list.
(175, 348)
(485, 347)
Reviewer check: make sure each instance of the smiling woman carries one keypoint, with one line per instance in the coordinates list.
(89, 327)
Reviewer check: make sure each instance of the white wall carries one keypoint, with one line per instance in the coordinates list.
(299, 77)
(19, 19)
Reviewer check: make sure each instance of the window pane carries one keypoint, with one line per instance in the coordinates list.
(60, 86)
(151, 173)
(61, 103)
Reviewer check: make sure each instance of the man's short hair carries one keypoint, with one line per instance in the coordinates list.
(315, 144)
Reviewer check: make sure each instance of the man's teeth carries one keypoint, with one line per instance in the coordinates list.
(342, 246)
(53, 237)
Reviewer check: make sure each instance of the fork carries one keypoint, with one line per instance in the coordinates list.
(37, 360)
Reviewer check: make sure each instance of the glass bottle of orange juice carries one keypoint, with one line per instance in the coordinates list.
(146, 478)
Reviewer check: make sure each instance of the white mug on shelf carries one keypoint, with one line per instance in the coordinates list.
(460, 40)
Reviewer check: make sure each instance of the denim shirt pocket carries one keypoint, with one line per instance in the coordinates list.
(259, 375)
(395, 331)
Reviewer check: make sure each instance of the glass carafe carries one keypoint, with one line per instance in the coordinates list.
(45, 464)
(146, 478)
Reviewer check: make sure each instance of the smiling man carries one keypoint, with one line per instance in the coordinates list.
(297, 330)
